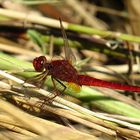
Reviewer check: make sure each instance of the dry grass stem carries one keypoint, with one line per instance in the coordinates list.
(89, 19)
(33, 124)
(124, 118)
(87, 117)
(31, 18)
(18, 50)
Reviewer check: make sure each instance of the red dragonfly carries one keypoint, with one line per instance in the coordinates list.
(62, 70)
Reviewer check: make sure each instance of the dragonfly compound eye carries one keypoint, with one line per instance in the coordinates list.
(39, 63)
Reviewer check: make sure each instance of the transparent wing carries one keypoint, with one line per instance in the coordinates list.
(67, 50)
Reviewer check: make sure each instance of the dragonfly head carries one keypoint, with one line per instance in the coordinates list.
(39, 63)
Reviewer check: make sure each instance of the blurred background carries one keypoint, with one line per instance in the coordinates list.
(104, 39)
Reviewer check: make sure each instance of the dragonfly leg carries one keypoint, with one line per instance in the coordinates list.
(60, 83)
(56, 91)
(38, 80)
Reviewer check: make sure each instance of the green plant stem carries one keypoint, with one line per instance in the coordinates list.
(67, 26)
(119, 52)
(107, 104)
(87, 94)
(93, 31)
(60, 42)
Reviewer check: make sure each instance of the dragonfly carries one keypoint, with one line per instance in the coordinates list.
(63, 70)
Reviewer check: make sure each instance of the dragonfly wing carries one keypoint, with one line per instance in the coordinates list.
(67, 50)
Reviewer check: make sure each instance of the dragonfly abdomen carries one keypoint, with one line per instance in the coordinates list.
(90, 81)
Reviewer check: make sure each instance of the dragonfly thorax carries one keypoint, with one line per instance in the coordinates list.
(62, 70)
(48, 66)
